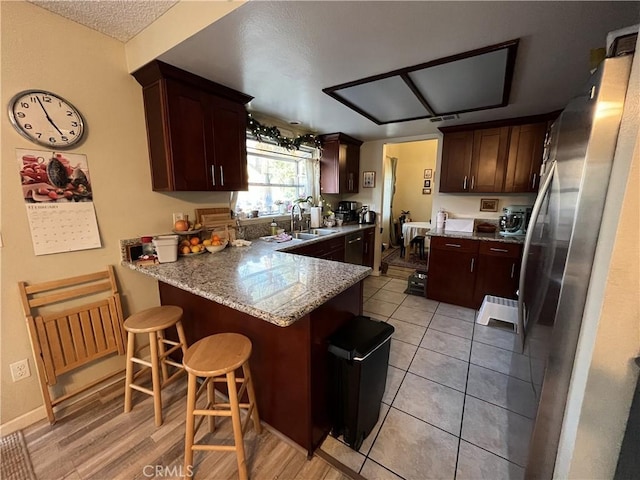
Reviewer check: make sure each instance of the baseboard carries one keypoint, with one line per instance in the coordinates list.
(23, 421)
(40, 413)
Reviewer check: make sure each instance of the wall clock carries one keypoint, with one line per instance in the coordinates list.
(46, 119)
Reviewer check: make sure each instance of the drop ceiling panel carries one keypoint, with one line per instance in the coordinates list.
(464, 85)
(385, 100)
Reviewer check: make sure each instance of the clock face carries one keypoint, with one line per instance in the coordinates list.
(46, 119)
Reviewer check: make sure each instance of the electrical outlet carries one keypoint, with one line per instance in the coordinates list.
(20, 370)
(177, 216)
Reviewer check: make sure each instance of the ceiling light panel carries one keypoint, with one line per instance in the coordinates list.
(469, 84)
(385, 100)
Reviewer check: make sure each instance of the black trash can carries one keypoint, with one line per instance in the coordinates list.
(359, 361)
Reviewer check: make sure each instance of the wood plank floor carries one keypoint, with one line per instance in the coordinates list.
(96, 440)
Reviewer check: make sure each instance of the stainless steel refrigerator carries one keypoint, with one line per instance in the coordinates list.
(561, 240)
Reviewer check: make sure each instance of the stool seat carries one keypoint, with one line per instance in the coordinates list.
(217, 354)
(153, 319)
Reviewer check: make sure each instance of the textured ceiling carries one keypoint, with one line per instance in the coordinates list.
(120, 19)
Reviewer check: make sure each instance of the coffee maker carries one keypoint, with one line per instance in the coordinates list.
(348, 211)
(515, 220)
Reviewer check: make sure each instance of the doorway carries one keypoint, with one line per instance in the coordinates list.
(406, 166)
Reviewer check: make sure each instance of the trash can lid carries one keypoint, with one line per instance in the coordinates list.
(359, 337)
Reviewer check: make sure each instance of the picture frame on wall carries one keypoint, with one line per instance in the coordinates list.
(368, 179)
(488, 204)
(426, 191)
(428, 172)
(427, 184)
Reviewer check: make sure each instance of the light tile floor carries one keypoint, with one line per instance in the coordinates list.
(459, 402)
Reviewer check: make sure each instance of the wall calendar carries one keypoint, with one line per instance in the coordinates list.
(59, 201)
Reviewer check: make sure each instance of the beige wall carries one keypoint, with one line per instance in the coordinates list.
(43, 50)
(413, 159)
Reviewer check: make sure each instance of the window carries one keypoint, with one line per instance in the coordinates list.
(277, 177)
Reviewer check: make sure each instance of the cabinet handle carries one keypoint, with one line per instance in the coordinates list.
(533, 182)
(473, 182)
(503, 250)
(464, 183)
(452, 245)
(350, 181)
(221, 175)
(355, 240)
(213, 175)
(473, 261)
(513, 269)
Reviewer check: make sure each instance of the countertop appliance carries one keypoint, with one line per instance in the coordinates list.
(561, 241)
(367, 216)
(515, 220)
(348, 211)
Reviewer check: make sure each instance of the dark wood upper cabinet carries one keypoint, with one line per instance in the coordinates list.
(489, 159)
(494, 157)
(525, 158)
(196, 130)
(457, 149)
(339, 164)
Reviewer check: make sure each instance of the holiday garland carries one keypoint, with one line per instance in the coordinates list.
(260, 131)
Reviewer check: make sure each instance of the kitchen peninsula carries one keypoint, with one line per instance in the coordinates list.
(287, 305)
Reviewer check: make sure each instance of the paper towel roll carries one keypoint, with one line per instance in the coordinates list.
(316, 217)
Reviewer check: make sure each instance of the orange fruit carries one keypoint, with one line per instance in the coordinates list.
(186, 250)
(185, 243)
(181, 226)
(194, 241)
(215, 238)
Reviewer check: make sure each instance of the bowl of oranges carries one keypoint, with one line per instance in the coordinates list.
(216, 244)
(191, 246)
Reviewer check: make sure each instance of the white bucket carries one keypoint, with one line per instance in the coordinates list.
(166, 248)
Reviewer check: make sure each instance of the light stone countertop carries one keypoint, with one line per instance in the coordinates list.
(494, 237)
(262, 280)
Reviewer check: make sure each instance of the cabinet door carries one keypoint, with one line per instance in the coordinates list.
(525, 158)
(330, 168)
(489, 159)
(352, 170)
(498, 271)
(457, 150)
(452, 271)
(228, 163)
(369, 247)
(187, 129)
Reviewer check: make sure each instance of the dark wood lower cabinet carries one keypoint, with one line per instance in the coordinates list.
(498, 271)
(452, 276)
(290, 365)
(463, 271)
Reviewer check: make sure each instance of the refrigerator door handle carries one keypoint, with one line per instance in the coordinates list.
(525, 250)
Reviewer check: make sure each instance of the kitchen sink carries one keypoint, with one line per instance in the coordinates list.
(322, 231)
(305, 235)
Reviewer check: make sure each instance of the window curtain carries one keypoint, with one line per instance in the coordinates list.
(312, 186)
(393, 237)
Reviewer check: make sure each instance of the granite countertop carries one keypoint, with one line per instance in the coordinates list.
(262, 280)
(494, 237)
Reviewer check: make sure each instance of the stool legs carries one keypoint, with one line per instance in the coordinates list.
(252, 398)
(237, 425)
(189, 429)
(129, 375)
(155, 377)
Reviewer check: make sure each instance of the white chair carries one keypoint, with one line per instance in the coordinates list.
(498, 308)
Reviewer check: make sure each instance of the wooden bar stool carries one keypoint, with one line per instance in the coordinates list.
(216, 358)
(154, 321)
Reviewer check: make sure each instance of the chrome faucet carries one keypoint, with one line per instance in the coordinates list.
(293, 218)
